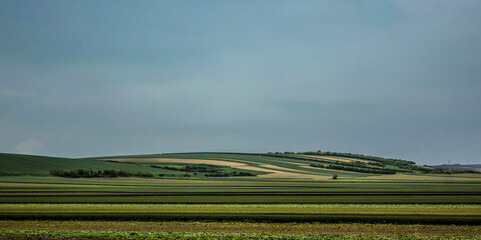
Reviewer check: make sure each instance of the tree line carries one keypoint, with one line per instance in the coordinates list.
(89, 173)
(354, 169)
(231, 174)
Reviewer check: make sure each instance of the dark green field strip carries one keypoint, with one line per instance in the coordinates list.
(242, 190)
(263, 217)
(242, 199)
(54, 183)
(250, 193)
(473, 183)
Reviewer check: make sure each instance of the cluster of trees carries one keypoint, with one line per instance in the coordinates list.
(191, 168)
(390, 161)
(403, 164)
(232, 174)
(89, 173)
(415, 168)
(270, 153)
(354, 169)
(360, 165)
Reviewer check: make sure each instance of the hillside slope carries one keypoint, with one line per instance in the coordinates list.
(18, 164)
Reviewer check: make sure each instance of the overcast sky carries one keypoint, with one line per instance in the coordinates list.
(395, 79)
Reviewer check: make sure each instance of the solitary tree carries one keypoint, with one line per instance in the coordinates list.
(334, 176)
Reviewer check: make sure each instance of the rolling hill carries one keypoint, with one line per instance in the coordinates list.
(288, 165)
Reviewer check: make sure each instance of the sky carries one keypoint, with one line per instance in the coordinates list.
(398, 79)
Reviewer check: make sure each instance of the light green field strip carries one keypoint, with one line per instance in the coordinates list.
(378, 209)
(49, 234)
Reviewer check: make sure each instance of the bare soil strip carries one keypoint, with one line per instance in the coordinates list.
(246, 227)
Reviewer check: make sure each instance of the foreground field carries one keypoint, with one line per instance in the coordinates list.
(400, 213)
(49, 234)
(247, 227)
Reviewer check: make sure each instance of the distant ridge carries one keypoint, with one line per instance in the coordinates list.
(472, 167)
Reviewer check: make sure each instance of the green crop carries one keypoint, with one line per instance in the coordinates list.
(38, 234)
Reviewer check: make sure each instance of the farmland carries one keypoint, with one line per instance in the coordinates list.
(235, 196)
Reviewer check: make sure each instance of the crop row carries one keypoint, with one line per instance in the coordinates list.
(39, 234)
(247, 199)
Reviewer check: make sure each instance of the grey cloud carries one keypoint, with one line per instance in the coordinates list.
(388, 78)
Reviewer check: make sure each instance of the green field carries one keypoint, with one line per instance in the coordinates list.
(229, 188)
